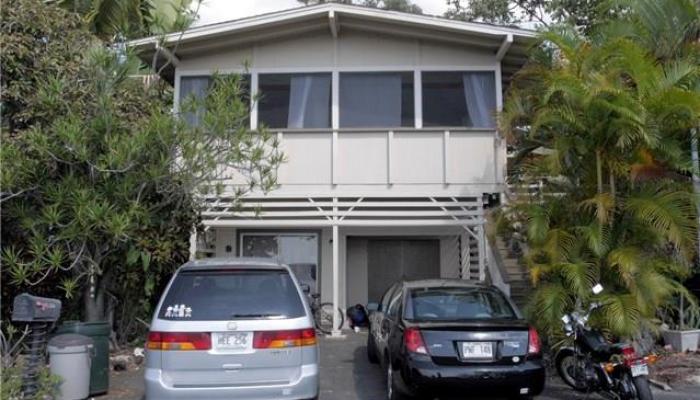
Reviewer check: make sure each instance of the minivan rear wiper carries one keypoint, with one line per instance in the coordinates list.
(271, 316)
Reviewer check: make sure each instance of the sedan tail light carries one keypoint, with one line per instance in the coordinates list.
(534, 346)
(178, 341)
(282, 339)
(414, 341)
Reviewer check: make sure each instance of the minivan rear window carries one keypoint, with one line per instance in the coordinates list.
(232, 294)
(456, 304)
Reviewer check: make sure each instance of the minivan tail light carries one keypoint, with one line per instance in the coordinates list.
(413, 340)
(534, 346)
(178, 341)
(282, 339)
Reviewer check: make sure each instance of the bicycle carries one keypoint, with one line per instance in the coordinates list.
(323, 314)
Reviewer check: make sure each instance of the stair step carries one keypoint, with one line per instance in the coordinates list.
(520, 285)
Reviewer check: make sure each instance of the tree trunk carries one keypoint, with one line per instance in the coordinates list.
(613, 189)
(696, 178)
(599, 170)
(94, 305)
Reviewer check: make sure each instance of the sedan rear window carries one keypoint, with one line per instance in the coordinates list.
(232, 294)
(454, 304)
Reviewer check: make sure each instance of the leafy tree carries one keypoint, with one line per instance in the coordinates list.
(393, 5)
(581, 13)
(100, 191)
(610, 121)
(37, 42)
(110, 19)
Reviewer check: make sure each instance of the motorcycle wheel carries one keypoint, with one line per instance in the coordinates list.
(641, 384)
(566, 368)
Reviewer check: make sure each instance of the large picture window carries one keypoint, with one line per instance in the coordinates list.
(295, 100)
(459, 99)
(376, 99)
(298, 250)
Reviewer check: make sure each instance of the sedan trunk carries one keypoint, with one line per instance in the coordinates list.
(461, 343)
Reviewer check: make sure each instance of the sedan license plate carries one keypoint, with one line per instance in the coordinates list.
(233, 341)
(639, 369)
(477, 350)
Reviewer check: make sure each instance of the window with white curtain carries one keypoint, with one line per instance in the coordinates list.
(376, 99)
(295, 100)
(197, 87)
(459, 99)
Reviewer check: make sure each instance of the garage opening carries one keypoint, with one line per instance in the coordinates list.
(375, 263)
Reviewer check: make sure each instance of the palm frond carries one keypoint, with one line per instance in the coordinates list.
(579, 277)
(626, 260)
(596, 236)
(670, 212)
(548, 305)
(621, 313)
(602, 205)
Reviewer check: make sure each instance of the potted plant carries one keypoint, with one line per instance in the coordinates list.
(683, 321)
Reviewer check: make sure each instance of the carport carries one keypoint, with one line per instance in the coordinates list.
(364, 243)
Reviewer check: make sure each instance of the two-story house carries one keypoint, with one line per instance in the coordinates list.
(387, 122)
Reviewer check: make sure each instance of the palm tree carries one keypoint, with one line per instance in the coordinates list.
(613, 117)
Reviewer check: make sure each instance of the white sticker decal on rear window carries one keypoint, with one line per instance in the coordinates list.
(178, 311)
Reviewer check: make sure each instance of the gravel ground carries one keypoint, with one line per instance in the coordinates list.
(347, 375)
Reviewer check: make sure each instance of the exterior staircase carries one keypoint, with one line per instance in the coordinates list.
(473, 249)
(514, 271)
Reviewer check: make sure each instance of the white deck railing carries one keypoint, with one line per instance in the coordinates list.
(399, 157)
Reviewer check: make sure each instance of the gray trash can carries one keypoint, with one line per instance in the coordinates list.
(69, 357)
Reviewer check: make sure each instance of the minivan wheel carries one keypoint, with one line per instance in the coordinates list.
(371, 349)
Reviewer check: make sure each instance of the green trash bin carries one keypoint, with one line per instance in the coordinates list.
(99, 332)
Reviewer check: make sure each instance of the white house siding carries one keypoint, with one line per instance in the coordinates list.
(373, 163)
(351, 50)
(342, 160)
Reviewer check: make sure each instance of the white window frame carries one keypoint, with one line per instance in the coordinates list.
(335, 83)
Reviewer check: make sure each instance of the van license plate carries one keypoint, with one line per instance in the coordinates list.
(477, 350)
(233, 340)
(640, 369)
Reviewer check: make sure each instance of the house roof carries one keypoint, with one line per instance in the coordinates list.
(508, 43)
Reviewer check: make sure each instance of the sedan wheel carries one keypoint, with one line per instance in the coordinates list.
(389, 383)
(392, 392)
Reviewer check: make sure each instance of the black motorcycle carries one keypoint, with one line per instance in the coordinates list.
(614, 370)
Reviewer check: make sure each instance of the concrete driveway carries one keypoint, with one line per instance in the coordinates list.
(346, 374)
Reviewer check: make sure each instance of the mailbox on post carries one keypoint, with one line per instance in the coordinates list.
(37, 312)
(28, 308)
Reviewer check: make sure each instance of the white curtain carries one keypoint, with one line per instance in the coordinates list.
(196, 86)
(370, 100)
(480, 94)
(309, 101)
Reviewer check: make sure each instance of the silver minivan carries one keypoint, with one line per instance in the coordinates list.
(232, 328)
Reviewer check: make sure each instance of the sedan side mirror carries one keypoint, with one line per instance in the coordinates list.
(372, 307)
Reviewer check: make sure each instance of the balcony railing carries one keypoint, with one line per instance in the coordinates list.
(401, 157)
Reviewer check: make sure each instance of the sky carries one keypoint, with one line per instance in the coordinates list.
(212, 11)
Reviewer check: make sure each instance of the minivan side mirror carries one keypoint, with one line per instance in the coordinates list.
(372, 307)
(305, 288)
